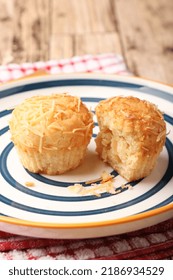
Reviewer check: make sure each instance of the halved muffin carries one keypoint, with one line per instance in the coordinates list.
(132, 135)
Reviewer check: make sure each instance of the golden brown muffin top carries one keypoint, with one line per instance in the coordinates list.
(131, 115)
(39, 120)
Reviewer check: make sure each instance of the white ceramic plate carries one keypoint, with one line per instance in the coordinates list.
(50, 209)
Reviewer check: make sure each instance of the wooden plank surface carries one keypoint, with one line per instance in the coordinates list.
(6, 31)
(147, 37)
(30, 30)
(140, 30)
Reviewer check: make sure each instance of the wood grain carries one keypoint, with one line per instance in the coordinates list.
(6, 29)
(97, 43)
(141, 30)
(147, 37)
(31, 30)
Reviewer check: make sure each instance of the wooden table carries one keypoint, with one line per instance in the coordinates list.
(140, 30)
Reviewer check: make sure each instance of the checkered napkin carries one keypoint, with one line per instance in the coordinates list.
(103, 63)
(154, 242)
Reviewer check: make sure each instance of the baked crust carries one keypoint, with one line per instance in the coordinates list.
(132, 135)
(47, 129)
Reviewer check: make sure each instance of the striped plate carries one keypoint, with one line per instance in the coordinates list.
(50, 209)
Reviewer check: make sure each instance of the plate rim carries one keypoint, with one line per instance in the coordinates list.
(138, 217)
(127, 219)
(36, 76)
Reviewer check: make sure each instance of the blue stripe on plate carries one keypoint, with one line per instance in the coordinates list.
(3, 215)
(165, 179)
(7, 176)
(67, 82)
(88, 212)
(85, 82)
(156, 92)
(51, 182)
(5, 112)
(4, 130)
(168, 119)
(163, 203)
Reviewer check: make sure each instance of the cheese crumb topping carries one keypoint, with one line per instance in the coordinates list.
(39, 121)
(106, 185)
(29, 184)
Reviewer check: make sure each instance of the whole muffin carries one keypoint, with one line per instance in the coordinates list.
(51, 133)
(132, 135)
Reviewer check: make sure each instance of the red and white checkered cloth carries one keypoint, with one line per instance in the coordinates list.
(103, 63)
(154, 242)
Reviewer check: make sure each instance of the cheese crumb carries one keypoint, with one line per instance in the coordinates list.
(106, 185)
(106, 177)
(29, 184)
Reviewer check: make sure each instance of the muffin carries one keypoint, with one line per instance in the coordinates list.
(51, 133)
(132, 135)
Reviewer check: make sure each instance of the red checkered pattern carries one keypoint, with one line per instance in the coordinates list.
(152, 243)
(155, 242)
(103, 63)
